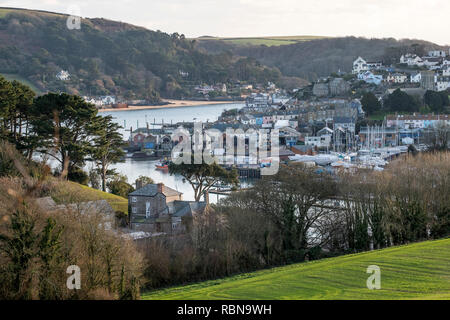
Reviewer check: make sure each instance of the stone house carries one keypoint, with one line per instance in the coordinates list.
(157, 208)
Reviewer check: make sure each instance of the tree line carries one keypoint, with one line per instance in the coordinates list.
(399, 101)
(62, 127)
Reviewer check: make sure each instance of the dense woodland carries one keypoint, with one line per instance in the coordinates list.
(106, 57)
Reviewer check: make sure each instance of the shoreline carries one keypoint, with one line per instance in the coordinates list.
(173, 104)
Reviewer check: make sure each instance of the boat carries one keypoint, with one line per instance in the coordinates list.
(163, 165)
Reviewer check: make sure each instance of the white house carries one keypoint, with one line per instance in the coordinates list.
(320, 142)
(416, 77)
(107, 100)
(63, 75)
(248, 119)
(432, 62)
(360, 65)
(446, 71)
(374, 65)
(442, 83)
(437, 53)
(369, 77)
(411, 60)
(397, 78)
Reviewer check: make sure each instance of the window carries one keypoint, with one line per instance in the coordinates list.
(133, 199)
(134, 210)
(147, 209)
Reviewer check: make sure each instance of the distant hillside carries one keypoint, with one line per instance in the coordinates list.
(417, 271)
(319, 57)
(108, 57)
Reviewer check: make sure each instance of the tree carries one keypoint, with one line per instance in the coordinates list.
(203, 176)
(94, 179)
(6, 103)
(107, 147)
(20, 248)
(437, 101)
(370, 103)
(65, 126)
(401, 101)
(20, 114)
(294, 200)
(120, 186)
(143, 181)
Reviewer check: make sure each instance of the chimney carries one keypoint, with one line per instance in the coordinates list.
(139, 184)
(206, 194)
(160, 187)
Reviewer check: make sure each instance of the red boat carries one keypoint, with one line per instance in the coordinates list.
(162, 166)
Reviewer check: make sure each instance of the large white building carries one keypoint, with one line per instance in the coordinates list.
(437, 53)
(63, 75)
(361, 65)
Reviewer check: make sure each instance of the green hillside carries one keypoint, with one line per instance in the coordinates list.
(69, 191)
(107, 57)
(417, 271)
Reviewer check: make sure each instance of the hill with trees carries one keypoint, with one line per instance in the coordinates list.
(112, 58)
(320, 57)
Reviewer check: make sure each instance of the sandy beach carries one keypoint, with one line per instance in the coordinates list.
(173, 104)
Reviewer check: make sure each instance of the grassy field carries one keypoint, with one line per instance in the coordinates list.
(417, 271)
(70, 190)
(268, 41)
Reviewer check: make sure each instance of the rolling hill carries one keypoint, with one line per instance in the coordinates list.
(417, 271)
(106, 57)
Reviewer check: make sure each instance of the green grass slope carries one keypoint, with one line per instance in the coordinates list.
(417, 271)
(69, 192)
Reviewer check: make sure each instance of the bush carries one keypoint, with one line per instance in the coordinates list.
(79, 176)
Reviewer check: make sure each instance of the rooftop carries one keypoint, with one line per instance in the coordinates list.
(151, 190)
(186, 208)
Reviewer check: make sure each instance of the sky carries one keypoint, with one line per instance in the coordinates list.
(418, 19)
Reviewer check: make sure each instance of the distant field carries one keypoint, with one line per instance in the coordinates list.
(11, 77)
(417, 271)
(268, 41)
(3, 12)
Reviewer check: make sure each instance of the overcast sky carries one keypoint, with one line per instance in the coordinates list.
(420, 19)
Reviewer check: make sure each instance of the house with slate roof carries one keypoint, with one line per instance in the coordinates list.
(158, 208)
